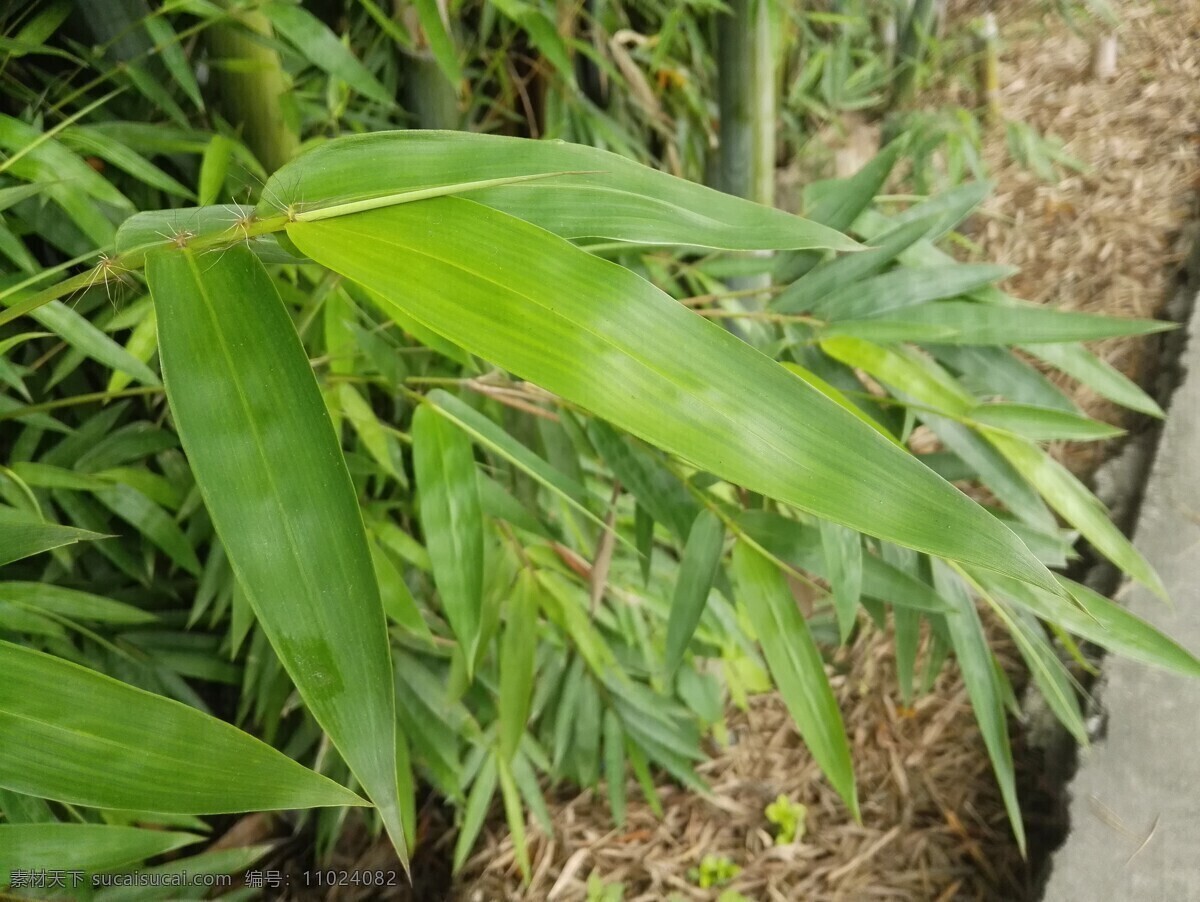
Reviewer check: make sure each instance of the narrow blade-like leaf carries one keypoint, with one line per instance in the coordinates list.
(453, 522)
(598, 335)
(796, 665)
(605, 196)
(81, 847)
(701, 556)
(105, 744)
(262, 447)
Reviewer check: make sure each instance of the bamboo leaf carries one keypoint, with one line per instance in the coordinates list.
(1076, 505)
(598, 335)
(601, 196)
(453, 522)
(22, 536)
(72, 603)
(844, 561)
(971, 323)
(1082, 364)
(81, 847)
(1098, 619)
(1043, 424)
(983, 687)
(701, 557)
(224, 861)
(321, 47)
(805, 293)
(796, 665)
(614, 766)
(264, 454)
(109, 745)
(895, 292)
(488, 434)
(370, 430)
(478, 801)
(441, 45)
(518, 649)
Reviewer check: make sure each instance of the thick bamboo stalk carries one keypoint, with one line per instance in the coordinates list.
(746, 98)
(249, 89)
(427, 93)
(746, 101)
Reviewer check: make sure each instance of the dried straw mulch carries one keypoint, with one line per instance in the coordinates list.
(1110, 239)
(933, 824)
(1107, 240)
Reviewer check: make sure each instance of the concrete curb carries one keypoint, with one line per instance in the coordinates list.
(1135, 799)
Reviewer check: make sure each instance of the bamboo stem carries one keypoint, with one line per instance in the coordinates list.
(249, 93)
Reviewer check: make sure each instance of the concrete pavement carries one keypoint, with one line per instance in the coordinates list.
(1135, 800)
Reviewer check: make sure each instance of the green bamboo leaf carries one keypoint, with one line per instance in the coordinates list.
(1098, 619)
(796, 665)
(321, 47)
(614, 766)
(701, 557)
(82, 847)
(397, 598)
(72, 603)
(844, 560)
(903, 288)
(90, 142)
(1072, 359)
(214, 166)
(946, 210)
(370, 431)
(109, 745)
(224, 861)
(970, 323)
(980, 674)
(598, 335)
(151, 521)
(518, 649)
(1043, 424)
(806, 292)
(1082, 364)
(838, 202)
(495, 439)
(21, 536)
(264, 454)
(602, 195)
(991, 372)
(1076, 505)
(478, 801)
(168, 44)
(1049, 673)
(800, 546)
(542, 33)
(87, 339)
(514, 814)
(453, 522)
(142, 343)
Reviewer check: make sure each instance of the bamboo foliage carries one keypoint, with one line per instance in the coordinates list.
(456, 479)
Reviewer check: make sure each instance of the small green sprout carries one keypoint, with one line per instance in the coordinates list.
(599, 891)
(713, 871)
(788, 817)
